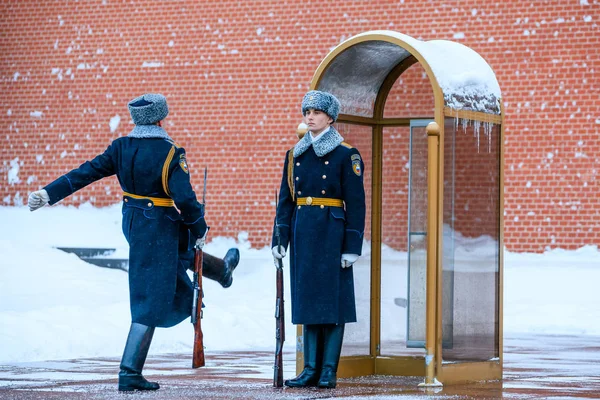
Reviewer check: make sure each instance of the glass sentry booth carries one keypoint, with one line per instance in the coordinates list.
(427, 118)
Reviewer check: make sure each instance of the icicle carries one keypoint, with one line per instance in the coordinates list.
(476, 128)
(465, 124)
(488, 129)
(456, 122)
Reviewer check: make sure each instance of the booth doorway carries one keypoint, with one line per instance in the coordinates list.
(390, 277)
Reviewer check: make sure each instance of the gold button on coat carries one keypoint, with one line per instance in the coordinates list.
(322, 191)
(322, 206)
(149, 204)
(297, 164)
(326, 162)
(297, 178)
(324, 176)
(309, 200)
(299, 192)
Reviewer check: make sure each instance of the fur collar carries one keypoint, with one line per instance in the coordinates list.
(149, 131)
(330, 140)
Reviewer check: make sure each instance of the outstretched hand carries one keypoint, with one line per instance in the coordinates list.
(37, 199)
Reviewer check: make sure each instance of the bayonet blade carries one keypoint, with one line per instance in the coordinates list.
(204, 191)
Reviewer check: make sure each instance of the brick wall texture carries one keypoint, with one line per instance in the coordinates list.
(234, 73)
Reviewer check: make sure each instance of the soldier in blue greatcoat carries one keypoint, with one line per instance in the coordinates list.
(153, 173)
(321, 215)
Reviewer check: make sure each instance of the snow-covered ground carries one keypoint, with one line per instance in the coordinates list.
(55, 306)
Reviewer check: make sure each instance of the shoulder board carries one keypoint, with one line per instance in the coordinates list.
(174, 144)
(290, 173)
(347, 145)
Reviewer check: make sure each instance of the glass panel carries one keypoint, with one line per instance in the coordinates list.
(448, 242)
(394, 237)
(417, 276)
(417, 234)
(470, 260)
(357, 335)
(357, 73)
(411, 95)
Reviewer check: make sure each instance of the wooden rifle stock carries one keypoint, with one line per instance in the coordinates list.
(198, 357)
(279, 314)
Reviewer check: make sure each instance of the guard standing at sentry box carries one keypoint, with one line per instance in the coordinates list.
(153, 174)
(321, 215)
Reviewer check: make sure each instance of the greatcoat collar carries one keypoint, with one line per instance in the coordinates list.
(149, 131)
(330, 140)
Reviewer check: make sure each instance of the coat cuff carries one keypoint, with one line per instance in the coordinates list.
(198, 227)
(59, 189)
(353, 241)
(284, 236)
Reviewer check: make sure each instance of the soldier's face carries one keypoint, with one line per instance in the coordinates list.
(317, 121)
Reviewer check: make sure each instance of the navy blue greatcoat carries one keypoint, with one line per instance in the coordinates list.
(322, 292)
(148, 163)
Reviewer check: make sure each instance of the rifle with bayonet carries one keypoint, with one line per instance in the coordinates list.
(279, 314)
(198, 354)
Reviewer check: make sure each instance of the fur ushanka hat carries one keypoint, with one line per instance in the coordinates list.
(148, 109)
(322, 101)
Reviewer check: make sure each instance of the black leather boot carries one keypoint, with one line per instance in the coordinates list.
(221, 270)
(333, 336)
(134, 357)
(312, 358)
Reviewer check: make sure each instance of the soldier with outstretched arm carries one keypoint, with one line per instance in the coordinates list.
(321, 215)
(162, 221)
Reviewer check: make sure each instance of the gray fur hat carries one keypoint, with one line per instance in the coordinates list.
(148, 109)
(322, 101)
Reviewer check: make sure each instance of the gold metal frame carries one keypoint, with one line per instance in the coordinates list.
(430, 366)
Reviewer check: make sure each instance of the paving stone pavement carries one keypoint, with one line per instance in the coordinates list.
(536, 367)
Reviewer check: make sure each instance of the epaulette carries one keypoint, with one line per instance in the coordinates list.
(347, 145)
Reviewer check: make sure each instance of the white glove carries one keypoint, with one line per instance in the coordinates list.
(278, 253)
(38, 199)
(348, 260)
(200, 242)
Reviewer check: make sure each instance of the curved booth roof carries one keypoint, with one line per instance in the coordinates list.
(356, 69)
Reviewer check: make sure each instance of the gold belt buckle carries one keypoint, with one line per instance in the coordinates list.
(309, 200)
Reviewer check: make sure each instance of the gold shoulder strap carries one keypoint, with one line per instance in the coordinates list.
(165, 171)
(290, 173)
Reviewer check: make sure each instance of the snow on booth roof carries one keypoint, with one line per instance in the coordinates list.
(361, 63)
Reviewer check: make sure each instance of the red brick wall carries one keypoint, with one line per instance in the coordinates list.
(234, 74)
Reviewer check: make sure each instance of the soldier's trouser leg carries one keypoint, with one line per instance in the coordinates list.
(134, 357)
(333, 336)
(221, 270)
(312, 358)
